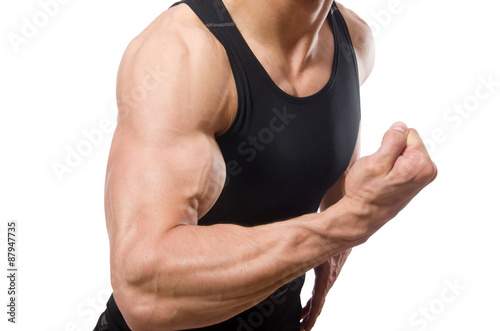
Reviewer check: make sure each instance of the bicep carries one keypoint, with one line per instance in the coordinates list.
(159, 181)
(165, 168)
(337, 192)
(155, 182)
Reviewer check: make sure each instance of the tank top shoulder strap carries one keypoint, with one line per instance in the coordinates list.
(345, 44)
(217, 19)
(212, 13)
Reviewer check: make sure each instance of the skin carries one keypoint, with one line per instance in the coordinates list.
(175, 93)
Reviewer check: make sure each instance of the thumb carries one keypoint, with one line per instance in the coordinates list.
(393, 144)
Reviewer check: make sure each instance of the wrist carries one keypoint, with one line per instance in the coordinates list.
(348, 222)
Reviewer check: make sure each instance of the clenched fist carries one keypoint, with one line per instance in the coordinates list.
(382, 184)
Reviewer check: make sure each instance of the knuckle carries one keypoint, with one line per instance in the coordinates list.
(428, 170)
(421, 153)
(372, 167)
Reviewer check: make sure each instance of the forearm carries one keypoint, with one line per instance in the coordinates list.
(329, 271)
(205, 275)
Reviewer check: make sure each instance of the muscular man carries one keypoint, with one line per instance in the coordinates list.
(237, 121)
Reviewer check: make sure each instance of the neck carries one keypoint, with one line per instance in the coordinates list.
(287, 27)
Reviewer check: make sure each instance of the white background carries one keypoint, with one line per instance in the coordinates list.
(432, 56)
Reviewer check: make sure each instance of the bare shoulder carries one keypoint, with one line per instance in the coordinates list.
(176, 65)
(362, 39)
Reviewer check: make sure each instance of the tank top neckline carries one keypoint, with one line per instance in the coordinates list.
(270, 81)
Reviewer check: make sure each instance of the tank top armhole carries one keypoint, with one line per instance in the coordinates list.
(242, 88)
(340, 21)
(218, 21)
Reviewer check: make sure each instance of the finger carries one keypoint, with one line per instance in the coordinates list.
(315, 311)
(393, 144)
(304, 323)
(414, 139)
(415, 143)
(305, 310)
(309, 323)
(416, 149)
(435, 172)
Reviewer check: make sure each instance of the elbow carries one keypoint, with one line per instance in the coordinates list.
(143, 302)
(144, 312)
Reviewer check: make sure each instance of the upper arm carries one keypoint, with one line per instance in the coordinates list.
(165, 168)
(362, 40)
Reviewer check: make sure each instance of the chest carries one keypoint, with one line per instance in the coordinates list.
(286, 148)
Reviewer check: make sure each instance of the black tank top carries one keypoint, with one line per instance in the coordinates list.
(282, 153)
